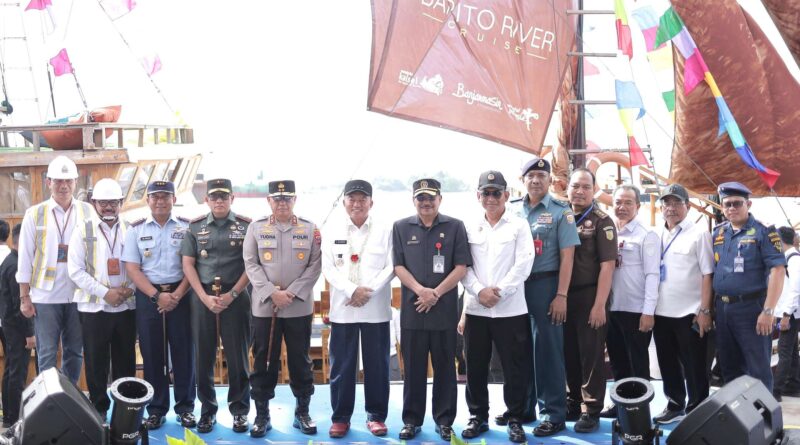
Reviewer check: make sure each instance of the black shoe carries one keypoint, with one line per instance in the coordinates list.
(206, 423)
(474, 428)
(187, 420)
(667, 416)
(409, 431)
(444, 431)
(777, 395)
(303, 422)
(501, 420)
(790, 392)
(573, 413)
(240, 423)
(548, 428)
(609, 412)
(154, 422)
(515, 432)
(588, 423)
(260, 426)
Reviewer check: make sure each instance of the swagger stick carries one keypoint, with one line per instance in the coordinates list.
(272, 329)
(164, 340)
(217, 290)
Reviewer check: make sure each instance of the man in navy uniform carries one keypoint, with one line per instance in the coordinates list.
(212, 247)
(555, 236)
(748, 280)
(431, 255)
(153, 261)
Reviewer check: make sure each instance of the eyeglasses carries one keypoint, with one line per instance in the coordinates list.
(108, 203)
(492, 193)
(735, 204)
(422, 197)
(282, 198)
(221, 196)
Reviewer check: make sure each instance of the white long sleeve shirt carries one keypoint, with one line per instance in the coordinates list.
(373, 243)
(635, 284)
(502, 256)
(789, 301)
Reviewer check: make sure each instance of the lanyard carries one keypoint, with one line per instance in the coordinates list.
(663, 252)
(111, 246)
(583, 216)
(58, 226)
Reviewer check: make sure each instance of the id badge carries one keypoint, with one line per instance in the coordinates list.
(438, 264)
(537, 246)
(662, 271)
(619, 261)
(62, 253)
(113, 266)
(738, 264)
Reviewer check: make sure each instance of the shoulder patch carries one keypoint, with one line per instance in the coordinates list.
(559, 202)
(183, 219)
(569, 216)
(244, 218)
(199, 218)
(138, 222)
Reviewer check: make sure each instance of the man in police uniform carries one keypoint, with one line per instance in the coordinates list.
(212, 247)
(748, 279)
(283, 260)
(552, 225)
(585, 328)
(431, 255)
(153, 260)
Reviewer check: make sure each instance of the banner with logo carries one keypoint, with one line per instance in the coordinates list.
(487, 68)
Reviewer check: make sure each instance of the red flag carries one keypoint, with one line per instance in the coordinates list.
(40, 5)
(635, 153)
(624, 42)
(61, 63)
(589, 69)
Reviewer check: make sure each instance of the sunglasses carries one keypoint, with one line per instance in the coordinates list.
(492, 193)
(282, 198)
(735, 204)
(219, 196)
(424, 197)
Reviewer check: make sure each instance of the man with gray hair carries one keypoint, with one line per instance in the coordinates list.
(634, 290)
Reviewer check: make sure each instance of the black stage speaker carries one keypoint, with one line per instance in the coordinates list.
(741, 412)
(55, 411)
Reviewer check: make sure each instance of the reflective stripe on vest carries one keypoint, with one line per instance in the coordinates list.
(91, 254)
(40, 271)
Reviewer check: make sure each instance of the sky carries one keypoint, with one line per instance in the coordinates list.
(281, 87)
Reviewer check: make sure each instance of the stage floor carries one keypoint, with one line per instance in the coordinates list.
(282, 411)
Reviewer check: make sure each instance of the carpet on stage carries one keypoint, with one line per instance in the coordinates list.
(282, 412)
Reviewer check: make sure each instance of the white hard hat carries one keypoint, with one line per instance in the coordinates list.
(62, 167)
(107, 188)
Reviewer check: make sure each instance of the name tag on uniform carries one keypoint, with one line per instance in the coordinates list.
(438, 264)
(738, 264)
(63, 249)
(145, 238)
(113, 267)
(545, 218)
(177, 235)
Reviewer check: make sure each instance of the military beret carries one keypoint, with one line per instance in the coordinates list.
(161, 186)
(536, 163)
(727, 189)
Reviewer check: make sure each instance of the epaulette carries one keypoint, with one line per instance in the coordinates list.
(244, 218)
(183, 219)
(600, 213)
(199, 218)
(559, 202)
(300, 218)
(138, 222)
(721, 225)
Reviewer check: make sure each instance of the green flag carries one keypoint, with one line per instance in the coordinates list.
(668, 27)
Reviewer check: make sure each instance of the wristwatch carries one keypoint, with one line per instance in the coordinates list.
(704, 311)
(154, 297)
(234, 294)
(768, 311)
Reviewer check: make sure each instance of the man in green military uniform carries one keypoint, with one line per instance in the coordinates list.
(283, 259)
(212, 247)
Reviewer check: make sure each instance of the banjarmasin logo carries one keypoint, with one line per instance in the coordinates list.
(487, 26)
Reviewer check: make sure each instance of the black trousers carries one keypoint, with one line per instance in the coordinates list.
(511, 336)
(627, 346)
(682, 361)
(786, 374)
(107, 336)
(584, 353)
(16, 361)
(417, 345)
(234, 325)
(296, 332)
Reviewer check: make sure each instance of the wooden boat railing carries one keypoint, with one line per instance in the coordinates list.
(94, 133)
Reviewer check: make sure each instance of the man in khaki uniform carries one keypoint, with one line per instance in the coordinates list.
(283, 261)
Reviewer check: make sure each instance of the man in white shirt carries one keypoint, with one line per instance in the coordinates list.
(357, 262)
(683, 314)
(105, 294)
(787, 311)
(45, 289)
(495, 311)
(634, 290)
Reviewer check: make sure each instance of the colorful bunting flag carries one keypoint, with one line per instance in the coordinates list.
(695, 70)
(589, 69)
(629, 104)
(151, 64)
(624, 42)
(659, 56)
(61, 64)
(40, 5)
(647, 19)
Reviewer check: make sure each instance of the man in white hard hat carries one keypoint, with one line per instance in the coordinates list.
(105, 293)
(45, 289)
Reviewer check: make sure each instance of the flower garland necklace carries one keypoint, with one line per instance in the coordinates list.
(355, 256)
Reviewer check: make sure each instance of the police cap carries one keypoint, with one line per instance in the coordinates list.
(282, 188)
(220, 185)
(727, 189)
(428, 186)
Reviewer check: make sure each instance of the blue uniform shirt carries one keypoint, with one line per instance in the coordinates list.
(759, 245)
(553, 223)
(156, 248)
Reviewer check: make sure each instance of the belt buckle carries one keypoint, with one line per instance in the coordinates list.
(165, 287)
(725, 299)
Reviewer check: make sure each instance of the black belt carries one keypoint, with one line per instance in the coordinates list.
(226, 287)
(730, 299)
(168, 287)
(541, 275)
